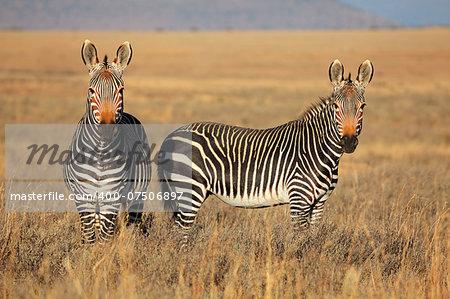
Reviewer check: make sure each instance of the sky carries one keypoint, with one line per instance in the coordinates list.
(407, 12)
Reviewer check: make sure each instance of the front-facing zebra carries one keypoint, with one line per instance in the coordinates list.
(109, 160)
(295, 163)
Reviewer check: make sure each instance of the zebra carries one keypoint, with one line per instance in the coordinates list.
(109, 159)
(295, 163)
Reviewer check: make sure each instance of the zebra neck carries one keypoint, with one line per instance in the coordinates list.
(91, 133)
(319, 135)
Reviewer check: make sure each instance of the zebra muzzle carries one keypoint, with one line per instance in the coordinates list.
(349, 143)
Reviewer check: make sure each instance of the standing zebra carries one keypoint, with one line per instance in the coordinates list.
(109, 159)
(295, 163)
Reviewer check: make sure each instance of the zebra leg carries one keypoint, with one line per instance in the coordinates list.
(299, 205)
(134, 215)
(299, 215)
(317, 208)
(86, 211)
(107, 219)
(316, 213)
(87, 227)
(188, 205)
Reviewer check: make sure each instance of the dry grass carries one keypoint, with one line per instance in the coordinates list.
(385, 228)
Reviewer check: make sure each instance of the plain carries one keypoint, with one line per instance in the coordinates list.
(385, 228)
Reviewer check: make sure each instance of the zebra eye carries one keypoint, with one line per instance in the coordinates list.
(363, 105)
(91, 91)
(336, 106)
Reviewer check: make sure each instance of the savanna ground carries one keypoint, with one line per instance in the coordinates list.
(385, 228)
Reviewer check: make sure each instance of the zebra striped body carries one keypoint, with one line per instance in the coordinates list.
(262, 173)
(257, 168)
(106, 171)
(295, 163)
(110, 156)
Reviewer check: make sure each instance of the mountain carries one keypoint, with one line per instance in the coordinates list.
(185, 15)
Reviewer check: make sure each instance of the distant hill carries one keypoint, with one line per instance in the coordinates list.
(185, 15)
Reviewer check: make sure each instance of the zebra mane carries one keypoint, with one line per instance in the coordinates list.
(315, 108)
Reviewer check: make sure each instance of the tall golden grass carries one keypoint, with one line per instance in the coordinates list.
(385, 228)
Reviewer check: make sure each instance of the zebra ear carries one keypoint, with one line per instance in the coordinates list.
(123, 55)
(336, 72)
(365, 73)
(89, 54)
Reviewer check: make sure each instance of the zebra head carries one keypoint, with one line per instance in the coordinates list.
(348, 101)
(105, 97)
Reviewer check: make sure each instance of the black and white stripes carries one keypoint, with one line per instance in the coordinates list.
(104, 171)
(110, 157)
(295, 163)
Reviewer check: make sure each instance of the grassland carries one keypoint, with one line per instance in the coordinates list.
(385, 228)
